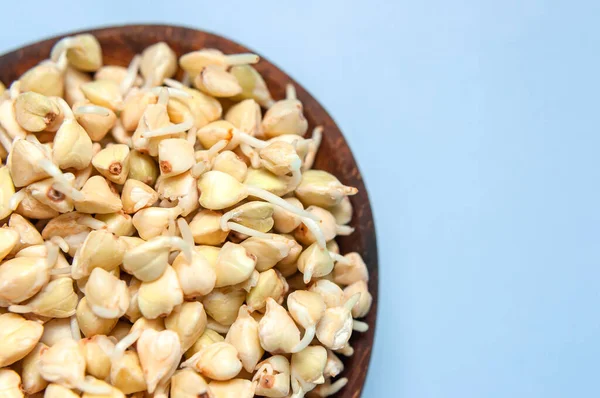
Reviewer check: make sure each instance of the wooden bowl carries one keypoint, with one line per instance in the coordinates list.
(121, 43)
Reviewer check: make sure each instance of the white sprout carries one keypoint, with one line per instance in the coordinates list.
(132, 72)
(217, 327)
(124, 344)
(62, 184)
(290, 92)
(233, 226)
(173, 92)
(191, 136)
(309, 335)
(61, 271)
(249, 140)
(52, 254)
(75, 331)
(14, 90)
(251, 154)
(87, 386)
(92, 110)
(335, 387)
(182, 127)
(313, 148)
(186, 80)
(186, 232)
(172, 83)
(198, 169)
(120, 135)
(5, 140)
(61, 47)
(242, 59)
(91, 222)
(60, 242)
(343, 230)
(339, 258)
(16, 199)
(360, 326)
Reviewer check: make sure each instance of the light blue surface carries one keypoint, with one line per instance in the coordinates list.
(476, 127)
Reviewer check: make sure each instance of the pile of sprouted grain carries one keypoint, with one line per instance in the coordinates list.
(173, 224)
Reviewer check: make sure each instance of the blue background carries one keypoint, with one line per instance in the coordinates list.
(476, 127)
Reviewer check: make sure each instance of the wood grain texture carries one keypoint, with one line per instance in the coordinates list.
(121, 43)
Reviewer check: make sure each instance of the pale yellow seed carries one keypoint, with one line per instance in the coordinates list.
(72, 88)
(7, 190)
(105, 93)
(217, 82)
(253, 85)
(83, 52)
(57, 391)
(56, 330)
(335, 327)
(207, 338)
(153, 221)
(277, 331)
(10, 384)
(18, 337)
(268, 251)
(332, 294)
(72, 145)
(234, 265)
(223, 304)
(98, 351)
(206, 228)
(236, 388)
(188, 321)
(119, 223)
(218, 361)
(285, 117)
(45, 78)
(308, 365)
(35, 112)
(159, 354)
(136, 195)
(113, 163)
(160, 297)
(134, 105)
(246, 116)
(196, 278)
(321, 188)
(24, 163)
(98, 197)
(56, 300)
(186, 383)
(21, 278)
(112, 392)
(101, 249)
(32, 380)
(315, 262)
(63, 363)
(243, 335)
(269, 284)
(107, 295)
(127, 375)
(363, 305)
(264, 179)
(8, 240)
(354, 270)
(90, 323)
(175, 156)
(273, 377)
(158, 62)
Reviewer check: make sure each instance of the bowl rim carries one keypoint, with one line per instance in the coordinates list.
(365, 213)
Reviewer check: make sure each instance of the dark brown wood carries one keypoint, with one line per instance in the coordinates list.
(121, 43)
